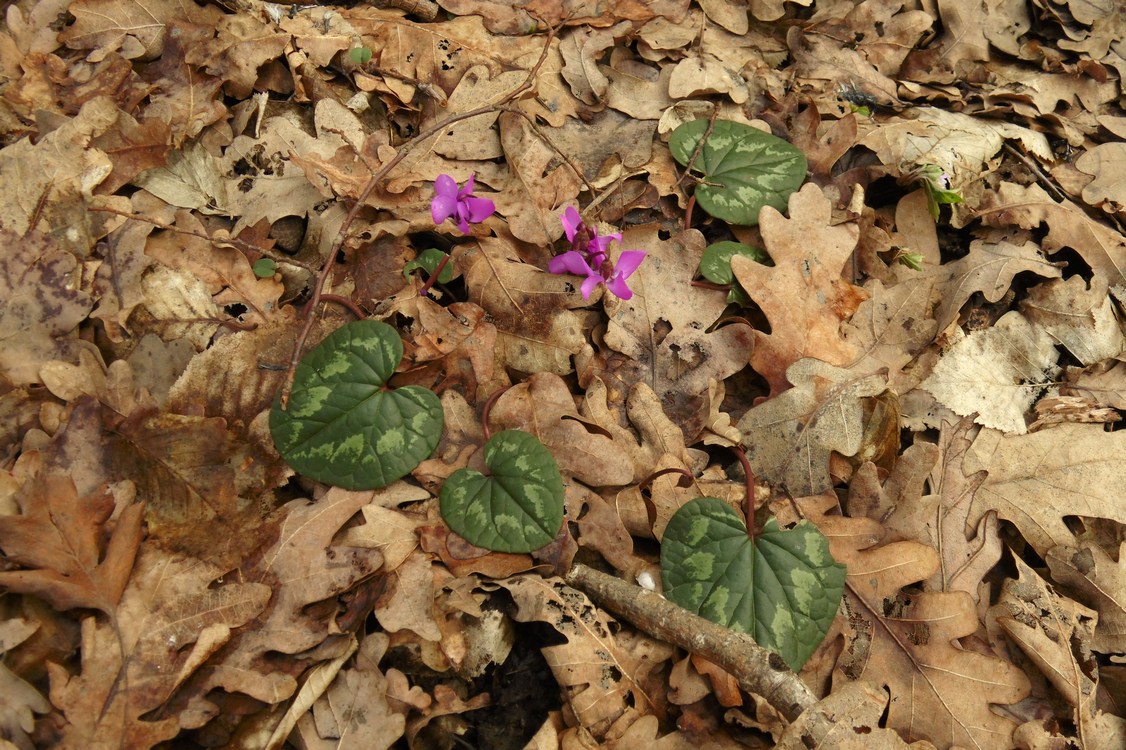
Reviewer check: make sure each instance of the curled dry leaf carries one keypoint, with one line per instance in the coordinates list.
(907, 642)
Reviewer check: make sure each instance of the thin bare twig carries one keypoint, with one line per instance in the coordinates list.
(234, 241)
(342, 234)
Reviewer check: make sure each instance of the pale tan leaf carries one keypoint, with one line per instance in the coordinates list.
(908, 642)
(996, 373)
(1081, 318)
(1036, 480)
(1100, 583)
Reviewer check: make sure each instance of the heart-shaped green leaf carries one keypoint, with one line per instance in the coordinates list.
(782, 588)
(518, 507)
(343, 426)
(743, 168)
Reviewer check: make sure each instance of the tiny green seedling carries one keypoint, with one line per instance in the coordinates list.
(430, 260)
(742, 168)
(360, 55)
(264, 268)
(344, 426)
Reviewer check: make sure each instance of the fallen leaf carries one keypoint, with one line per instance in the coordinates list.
(1099, 582)
(109, 25)
(543, 406)
(42, 306)
(667, 339)
(56, 541)
(908, 642)
(803, 295)
(996, 373)
(601, 673)
(790, 437)
(1037, 480)
(1068, 226)
(1080, 317)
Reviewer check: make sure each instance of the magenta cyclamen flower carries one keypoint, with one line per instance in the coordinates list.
(450, 201)
(588, 257)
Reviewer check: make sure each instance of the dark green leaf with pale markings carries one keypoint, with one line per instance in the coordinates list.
(782, 588)
(343, 426)
(715, 266)
(518, 507)
(743, 168)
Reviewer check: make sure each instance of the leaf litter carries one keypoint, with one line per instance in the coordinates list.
(940, 397)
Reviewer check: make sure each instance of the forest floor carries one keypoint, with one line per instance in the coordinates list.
(902, 313)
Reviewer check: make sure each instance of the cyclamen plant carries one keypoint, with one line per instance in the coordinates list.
(589, 257)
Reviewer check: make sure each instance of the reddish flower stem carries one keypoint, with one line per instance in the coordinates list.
(488, 407)
(749, 500)
(425, 289)
(343, 302)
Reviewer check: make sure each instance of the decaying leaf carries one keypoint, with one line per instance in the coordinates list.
(603, 674)
(1037, 480)
(790, 437)
(667, 339)
(996, 374)
(908, 642)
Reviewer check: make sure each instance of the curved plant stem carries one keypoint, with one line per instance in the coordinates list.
(488, 407)
(425, 289)
(749, 500)
(343, 302)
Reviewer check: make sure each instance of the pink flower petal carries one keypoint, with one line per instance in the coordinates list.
(571, 222)
(570, 262)
(618, 286)
(589, 285)
(479, 209)
(442, 207)
(445, 186)
(468, 189)
(628, 263)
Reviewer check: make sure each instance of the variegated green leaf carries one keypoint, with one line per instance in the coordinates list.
(518, 507)
(781, 588)
(343, 425)
(743, 168)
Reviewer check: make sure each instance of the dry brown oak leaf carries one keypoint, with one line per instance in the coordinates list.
(803, 295)
(665, 332)
(1037, 480)
(304, 567)
(790, 437)
(174, 615)
(56, 540)
(543, 406)
(1028, 207)
(604, 676)
(908, 642)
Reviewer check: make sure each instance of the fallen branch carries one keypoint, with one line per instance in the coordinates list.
(756, 669)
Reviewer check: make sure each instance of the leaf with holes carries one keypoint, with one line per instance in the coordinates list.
(781, 588)
(518, 507)
(343, 425)
(743, 168)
